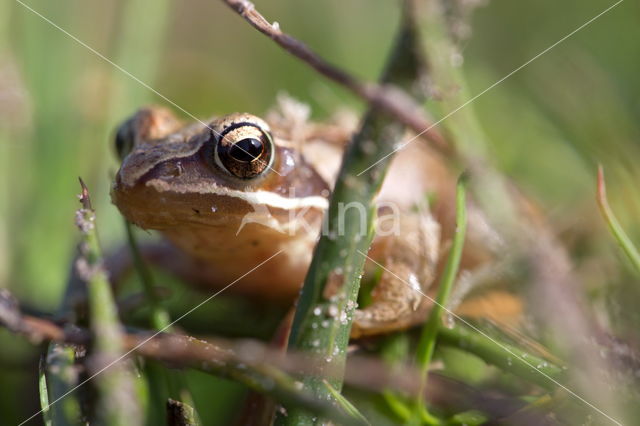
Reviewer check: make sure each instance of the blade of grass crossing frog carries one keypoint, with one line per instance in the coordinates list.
(430, 329)
(337, 259)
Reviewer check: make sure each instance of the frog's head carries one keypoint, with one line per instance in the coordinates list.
(221, 173)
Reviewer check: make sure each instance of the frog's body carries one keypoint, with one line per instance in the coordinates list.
(230, 215)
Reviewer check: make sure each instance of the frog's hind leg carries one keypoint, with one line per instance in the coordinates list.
(409, 259)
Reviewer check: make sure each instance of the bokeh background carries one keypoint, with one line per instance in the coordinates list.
(549, 124)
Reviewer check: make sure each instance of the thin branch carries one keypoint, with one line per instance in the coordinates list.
(182, 351)
(388, 98)
(260, 366)
(251, 364)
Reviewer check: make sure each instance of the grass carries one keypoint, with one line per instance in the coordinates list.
(545, 129)
(338, 260)
(615, 228)
(160, 320)
(118, 403)
(428, 338)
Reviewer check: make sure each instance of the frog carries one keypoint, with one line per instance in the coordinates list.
(238, 191)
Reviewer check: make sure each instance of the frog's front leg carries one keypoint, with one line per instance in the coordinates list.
(409, 257)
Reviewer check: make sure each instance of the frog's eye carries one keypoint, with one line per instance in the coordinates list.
(124, 139)
(244, 149)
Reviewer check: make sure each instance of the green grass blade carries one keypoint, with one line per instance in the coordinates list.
(507, 357)
(44, 393)
(159, 317)
(614, 226)
(468, 418)
(160, 320)
(430, 329)
(62, 376)
(346, 405)
(117, 403)
(338, 261)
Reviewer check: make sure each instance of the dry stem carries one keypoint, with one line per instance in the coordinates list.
(388, 98)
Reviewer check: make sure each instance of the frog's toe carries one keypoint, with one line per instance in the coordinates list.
(396, 306)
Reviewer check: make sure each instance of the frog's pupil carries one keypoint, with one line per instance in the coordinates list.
(246, 150)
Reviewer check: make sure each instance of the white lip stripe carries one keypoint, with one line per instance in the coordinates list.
(275, 200)
(252, 197)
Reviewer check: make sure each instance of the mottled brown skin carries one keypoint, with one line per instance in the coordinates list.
(170, 181)
(165, 182)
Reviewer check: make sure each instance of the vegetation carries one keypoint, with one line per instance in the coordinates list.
(78, 349)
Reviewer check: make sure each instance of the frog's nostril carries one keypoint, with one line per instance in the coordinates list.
(247, 150)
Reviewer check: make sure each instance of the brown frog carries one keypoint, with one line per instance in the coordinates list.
(238, 190)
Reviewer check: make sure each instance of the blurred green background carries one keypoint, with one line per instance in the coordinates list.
(549, 124)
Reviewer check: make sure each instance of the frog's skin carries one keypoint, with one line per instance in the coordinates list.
(171, 181)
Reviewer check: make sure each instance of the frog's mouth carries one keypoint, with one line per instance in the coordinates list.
(159, 204)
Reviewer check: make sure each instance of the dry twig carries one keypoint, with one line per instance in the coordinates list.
(231, 358)
(386, 97)
(186, 351)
